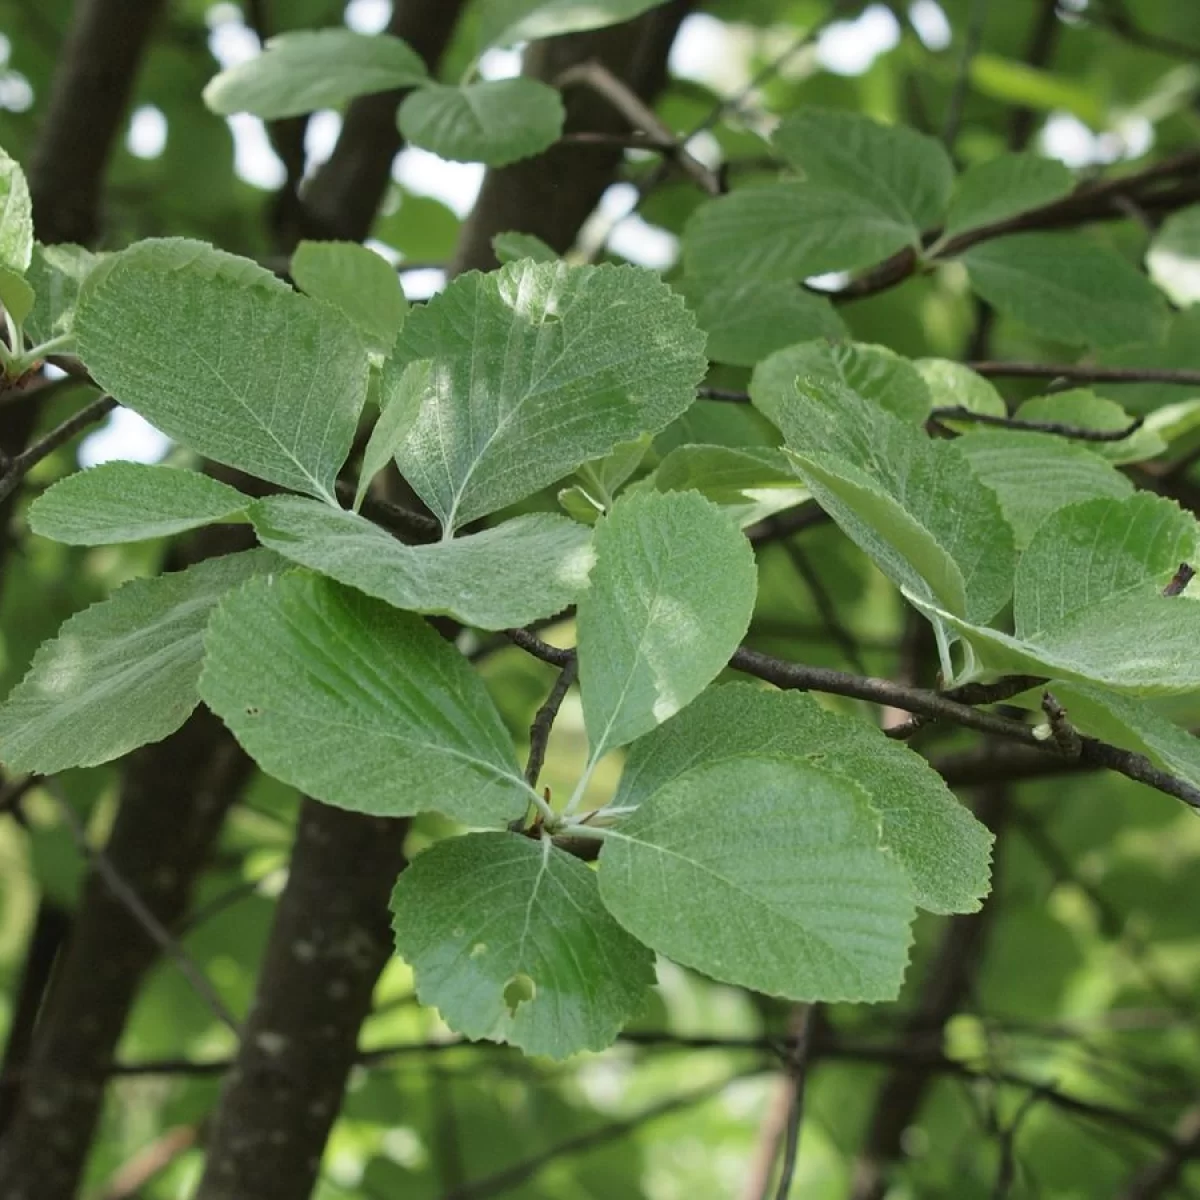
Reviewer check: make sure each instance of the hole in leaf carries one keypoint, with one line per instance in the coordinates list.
(253, 711)
(520, 989)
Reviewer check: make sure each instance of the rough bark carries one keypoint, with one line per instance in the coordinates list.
(552, 194)
(329, 941)
(173, 799)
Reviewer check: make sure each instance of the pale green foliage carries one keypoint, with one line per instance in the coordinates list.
(509, 247)
(56, 275)
(485, 920)
(402, 390)
(1068, 288)
(305, 71)
(360, 705)
(1001, 187)
(671, 596)
(496, 121)
(731, 861)
(513, 573)
(121, 673)
(914, 505)
(16, 295)
(537, 368)
(953, 385)
(1173, 258)
(943, 849)
(359, 283)
(1083, 409)
(16, 217)
(1034, 474)
(226, 359)
(905, 176)
(129, 502)
(505, 22)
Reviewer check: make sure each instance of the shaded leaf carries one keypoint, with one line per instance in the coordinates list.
(505, 22)
(1003, 186)
(509, 247)
(56, 274)
(402, 391)
(16, 217)
(1173, 258)
(1083, 408)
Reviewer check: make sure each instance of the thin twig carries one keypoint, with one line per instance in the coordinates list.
(21, 464)
(962, 79)
(826, 609)
(1086, 372)
(543, 722)
(798, 1064)
(1081, 433)
(532, 644)
(154, 928)
(1066, 736)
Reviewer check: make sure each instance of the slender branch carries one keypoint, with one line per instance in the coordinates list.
(825, 607)
(532, 644)
(1058, 428)
(1086, 372)
(1115, 18)
(543, 722)
(21, 464)
(962, 78)
(798, 1064)
(127, 1182)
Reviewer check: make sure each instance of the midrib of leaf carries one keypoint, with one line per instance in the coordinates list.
(759, 901)
(537, 883)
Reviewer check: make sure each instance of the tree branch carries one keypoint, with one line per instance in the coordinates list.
(17, 467)
(1057, 428)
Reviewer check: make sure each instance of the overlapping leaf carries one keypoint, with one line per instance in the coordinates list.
(226, 359)
(507, 937)
(1003, 186)
(1081, 408)
(56, 274)
(513, 573)
(729, 862)
(1173, 258)
(537, 368)
(357, 703)
(505, 22)
(121, 673)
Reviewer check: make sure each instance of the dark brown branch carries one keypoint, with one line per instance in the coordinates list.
(21, 464)
(1114, 17)
(543, 722)
(532, 644)
(798, 1063)
(1058, 428)
(1086, 373)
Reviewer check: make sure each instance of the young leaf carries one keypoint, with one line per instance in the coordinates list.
(56, 275)
(671, 596)
(1173, 258)
(746, 321)
(906, 176)
(1088, 604)
(539, 367)
(16, 217)
(402, 391)
(1082, 408)
(1035, 474)
(787, 232)
(944, 850)
(358, 282)
(750, 484)
(225, 359)
(951, 384)
(506, 22)
(508, 939)
(912, 504)
(129, 502)
(121, 673)
(520, 571)
(358, 704)
(1067, 288)
(873, 372)
(302, 72)
(16, 295)
(510, 247)
(497, 121)
(765, 873)
(1002, 187)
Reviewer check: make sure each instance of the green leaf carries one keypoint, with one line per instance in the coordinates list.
(121, 673)
(520, 571)
(508, 939)
(16, 295)
(747, 320)
(496, 122)
(875, 373)
(16, 217)
(602, 477)
(765, 873)
(402, 391)
(509, 247)
(305, 71)
(358, 282)
(750, 484)
(1173, 258)
(942, 847)
(1082, 408)
(671, 596)
(1020, 84)
(1087, 600)
(539, 367)
(913, 505)
(906, 176)
(506, 22)
(56, 275)
(952, 384)
(226, 359)
(788, 232)
(1035, 474)
(1067, 288)
(992, 191)
(130, 502)
(358, 704)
